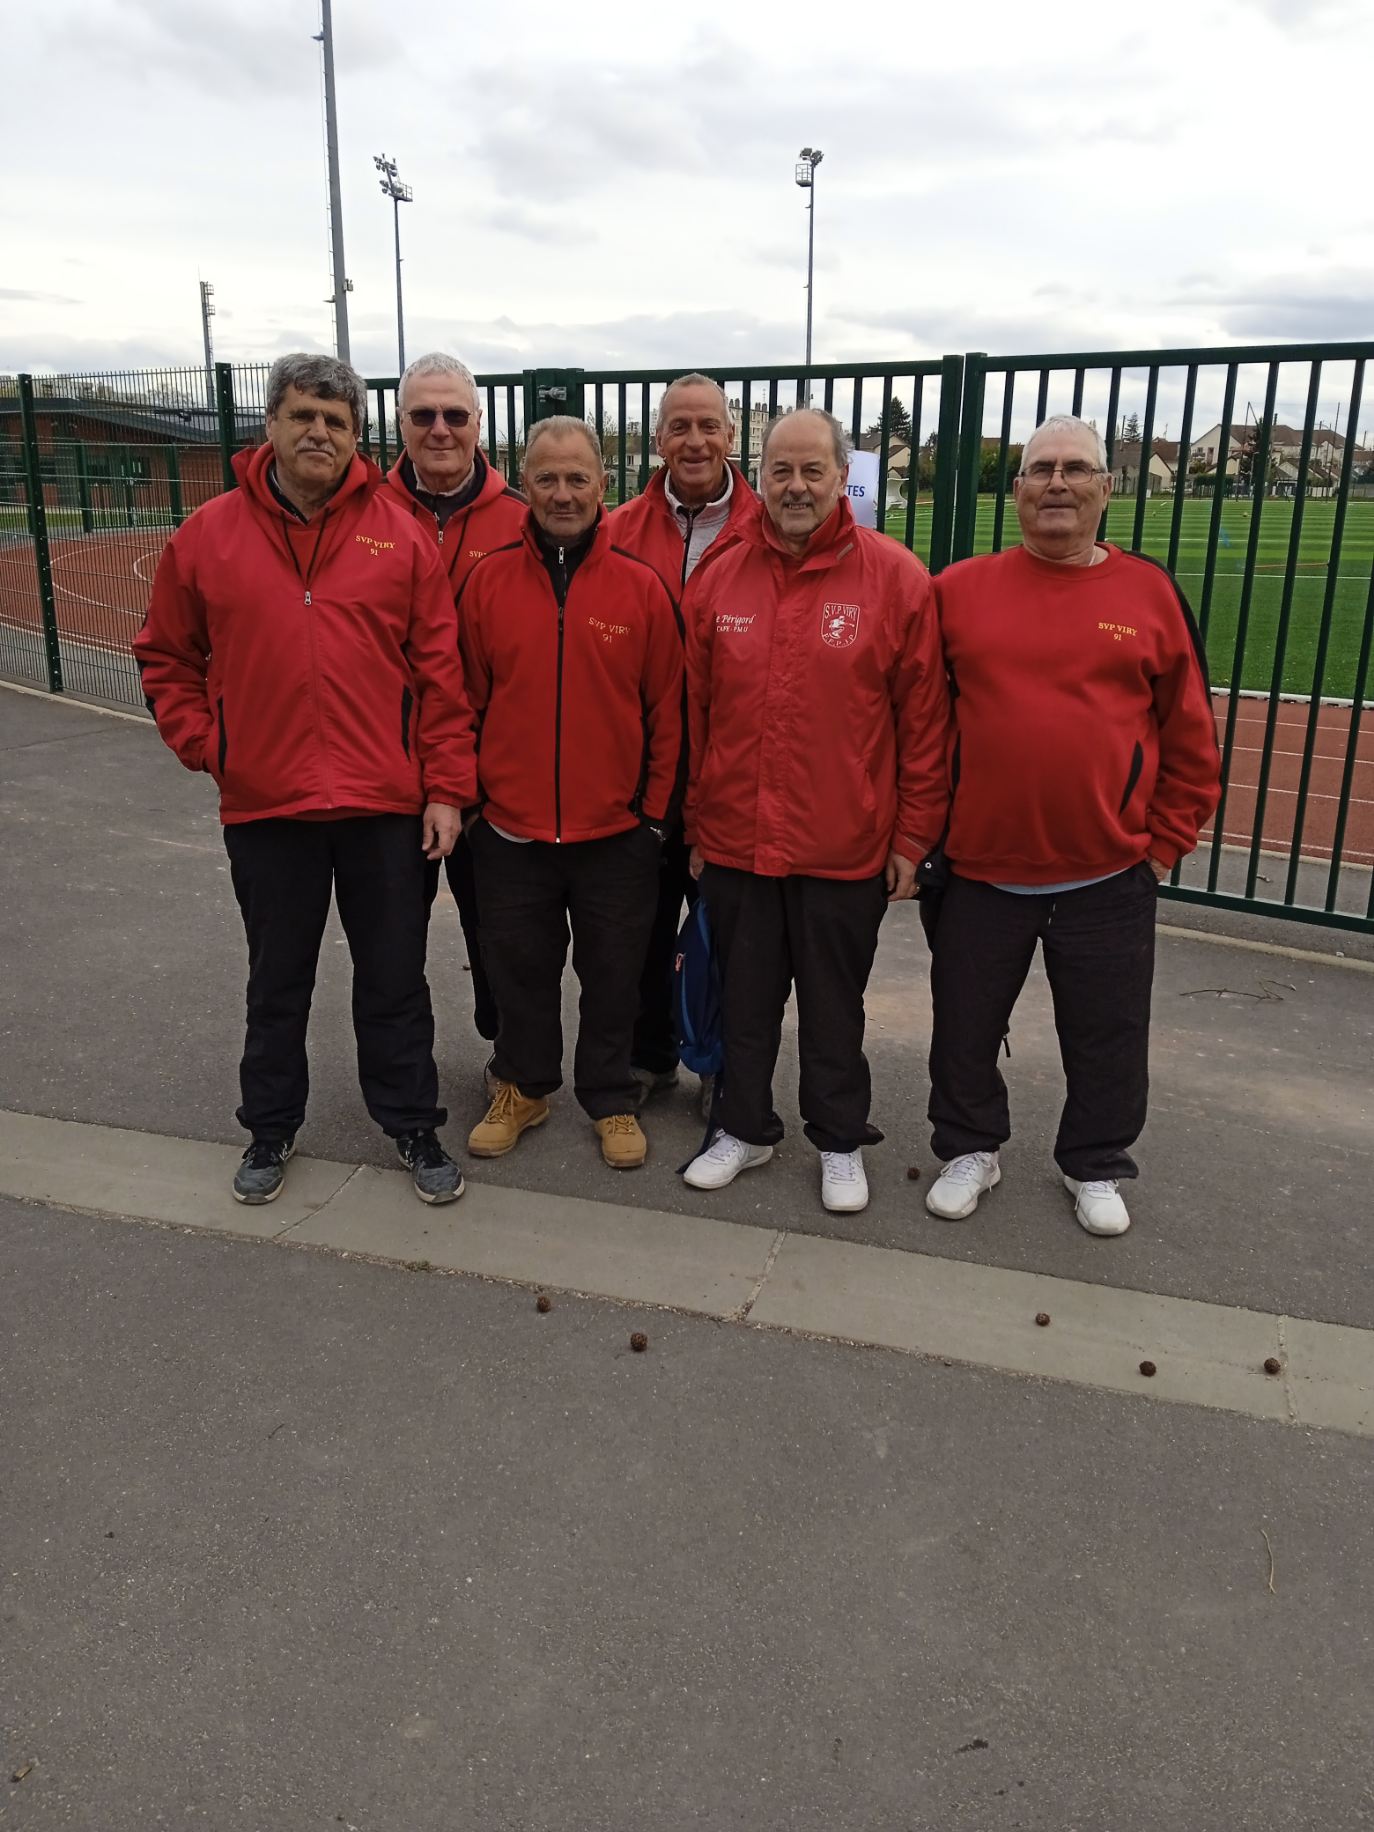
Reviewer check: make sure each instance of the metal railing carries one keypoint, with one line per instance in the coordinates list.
(1226, 466)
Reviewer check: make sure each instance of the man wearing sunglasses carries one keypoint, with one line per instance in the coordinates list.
(1085, 765)
(466, 507)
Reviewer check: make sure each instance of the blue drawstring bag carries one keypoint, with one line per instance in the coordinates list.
(696, 995)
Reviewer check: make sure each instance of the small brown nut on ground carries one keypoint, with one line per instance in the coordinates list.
(543, 1304)
(639, 1342)
(1273, 1365)
(913, 1173)
(1147, 1368)
(1042, 1317)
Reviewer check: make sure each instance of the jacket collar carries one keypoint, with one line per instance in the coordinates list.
(599, 544)
(830, 542)
(251, 468)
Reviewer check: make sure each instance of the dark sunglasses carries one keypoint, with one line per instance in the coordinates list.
(454, 417)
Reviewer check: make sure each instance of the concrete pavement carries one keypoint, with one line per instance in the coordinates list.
(293, 1541)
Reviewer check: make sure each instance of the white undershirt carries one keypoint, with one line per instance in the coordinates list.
(705, 523)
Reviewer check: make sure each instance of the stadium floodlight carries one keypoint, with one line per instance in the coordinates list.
(807, 161)
(399, 194)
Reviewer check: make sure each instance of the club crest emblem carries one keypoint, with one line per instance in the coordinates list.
(839, 624)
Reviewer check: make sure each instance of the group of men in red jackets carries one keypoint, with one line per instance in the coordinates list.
(590, 718)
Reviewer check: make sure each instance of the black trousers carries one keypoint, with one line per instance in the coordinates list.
(821, 934)
(283, 874)
(1099, 946)
(529, 894)
(655, 1038)
(462, 881)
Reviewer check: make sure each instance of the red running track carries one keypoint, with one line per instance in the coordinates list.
(102, 583)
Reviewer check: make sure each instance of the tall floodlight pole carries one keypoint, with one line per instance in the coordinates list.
(207, 312)
(399, 194)
(807, 161)
(339, 298)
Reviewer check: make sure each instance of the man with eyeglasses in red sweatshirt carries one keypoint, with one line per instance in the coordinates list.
(466, 507)
(1085, 765)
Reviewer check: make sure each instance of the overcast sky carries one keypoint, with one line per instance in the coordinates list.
(613, 185)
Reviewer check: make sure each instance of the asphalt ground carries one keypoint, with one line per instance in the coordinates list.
(294, 1541)
(1256, 1166)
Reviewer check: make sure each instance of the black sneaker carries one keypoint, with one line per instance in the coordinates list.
(259, 1178)
(435, 1176)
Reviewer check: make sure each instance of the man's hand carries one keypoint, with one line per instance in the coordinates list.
(1161, 872)
(440, 826)
(901, 878)
(695, 861)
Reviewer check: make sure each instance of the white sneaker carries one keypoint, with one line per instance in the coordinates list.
(1098, 1205)
(723, 1160)
(844, 1187)
(955, 1192)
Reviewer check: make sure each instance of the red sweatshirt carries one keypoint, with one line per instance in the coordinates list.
(308, 666)
(579, 696)
(1084, 728)
(818, 705)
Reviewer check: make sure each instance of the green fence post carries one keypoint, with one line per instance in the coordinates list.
(228, 422)
(174, 486)
(38, 527)
(970, 454)
(946, 463)
(83, 489)
(551, 391)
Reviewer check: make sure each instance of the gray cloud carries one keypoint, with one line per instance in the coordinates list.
(22, 295)
(254, 48)
(1336, 304)
(542, 227)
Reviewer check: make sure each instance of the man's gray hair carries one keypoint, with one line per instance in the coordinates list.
(437, 362)
(563, 423)
(1065, 423)
(696, 380)
(838, 435)
(323, 376)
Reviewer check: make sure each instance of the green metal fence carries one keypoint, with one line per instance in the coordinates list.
(1246, 470)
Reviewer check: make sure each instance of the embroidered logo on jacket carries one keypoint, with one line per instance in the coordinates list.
(1117, 630)
(374, 547)
(839, 624)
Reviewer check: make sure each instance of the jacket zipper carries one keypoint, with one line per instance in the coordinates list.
(560, 591)
(305, 578)
(692, 515)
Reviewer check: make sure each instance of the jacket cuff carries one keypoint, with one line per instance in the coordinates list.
(1164, 852)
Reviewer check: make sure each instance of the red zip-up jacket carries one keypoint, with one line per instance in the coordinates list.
(494, 516)
(308, 666)
(1083, 715)
(818, 704)
(579, 703)
(649, 526)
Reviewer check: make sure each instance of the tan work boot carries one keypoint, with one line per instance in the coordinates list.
(509, 1114)
(623, 1145)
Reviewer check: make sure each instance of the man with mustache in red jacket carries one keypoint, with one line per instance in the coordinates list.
(301, 647)
(443, 480)
(1085, 766)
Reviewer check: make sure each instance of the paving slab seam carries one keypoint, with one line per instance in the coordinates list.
(1145, 1343)
(742, 1314)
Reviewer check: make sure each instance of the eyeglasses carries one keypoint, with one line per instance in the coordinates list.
(456, 418)
(1077, 470)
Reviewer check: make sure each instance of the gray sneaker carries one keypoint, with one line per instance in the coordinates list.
(655, 1081)
(260, 1176)
(435, 1176)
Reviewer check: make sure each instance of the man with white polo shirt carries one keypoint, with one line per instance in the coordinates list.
(697, 500)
